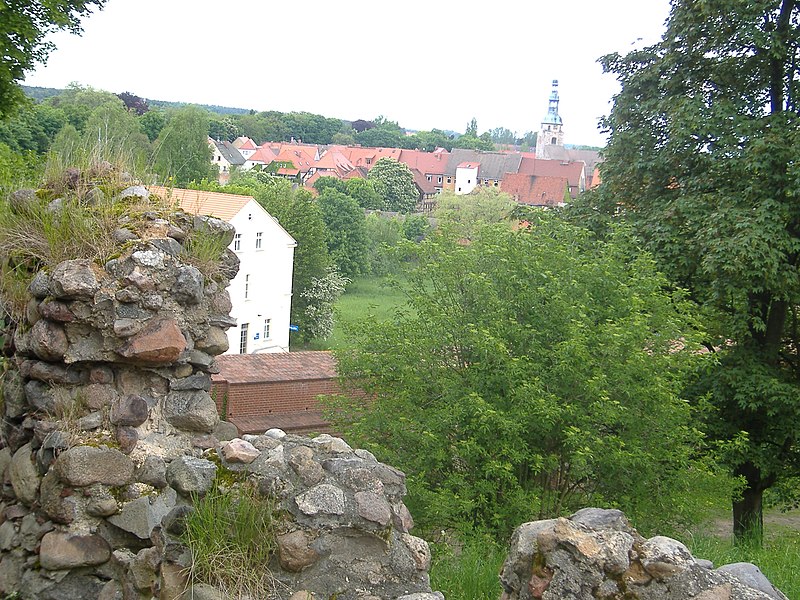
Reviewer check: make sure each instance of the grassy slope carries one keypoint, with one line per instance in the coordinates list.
(364, 296)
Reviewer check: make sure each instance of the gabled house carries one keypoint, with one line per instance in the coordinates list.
(245, 146)
(574, 172)
(225, 157)
(493, 167)
(261, 292)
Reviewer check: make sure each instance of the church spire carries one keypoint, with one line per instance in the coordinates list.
(550, 132)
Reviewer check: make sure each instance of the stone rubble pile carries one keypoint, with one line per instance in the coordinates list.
(109, 432)
(596, 554)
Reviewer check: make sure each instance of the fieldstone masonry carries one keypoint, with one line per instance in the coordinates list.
(596, 554)
(109, 431)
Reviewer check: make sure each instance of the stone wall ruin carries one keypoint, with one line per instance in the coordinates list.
(109, 432)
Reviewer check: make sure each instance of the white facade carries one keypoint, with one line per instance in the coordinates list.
(466, 178)
(261, 293)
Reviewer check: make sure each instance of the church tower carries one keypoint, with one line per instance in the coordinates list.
(551, 132)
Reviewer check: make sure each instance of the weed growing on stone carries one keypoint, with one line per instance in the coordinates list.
(231, 534)
(203, 250)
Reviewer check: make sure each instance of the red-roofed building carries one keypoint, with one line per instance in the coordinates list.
(536, 190)
(574, 172)
(261, 391)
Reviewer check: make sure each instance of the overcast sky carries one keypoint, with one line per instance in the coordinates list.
(424, 64)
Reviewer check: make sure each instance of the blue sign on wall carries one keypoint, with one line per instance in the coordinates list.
(294, 328)
(255, 337)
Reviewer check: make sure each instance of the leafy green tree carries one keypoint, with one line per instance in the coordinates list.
(703, 160)
(363, 191)
(394, 182)
(415, 227)
(466, 214)
(332, 183)
(533, 372)
(347, 238)
(384, 233)
(79, 102)
(379, 137)
(23, 28)
(181, 151)
(32, 127)
(15, 170)
(112, 134)
(152, 122)
(223, 127)
(471, 142)
(472, 128)
(428, 140)
(320, 298)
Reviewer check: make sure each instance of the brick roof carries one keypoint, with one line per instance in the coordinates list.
(197, 202)
(535, 190)
(264, 154)
(244, 143)
(275, 366)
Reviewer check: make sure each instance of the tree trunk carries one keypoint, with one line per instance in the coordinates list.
(748, 513)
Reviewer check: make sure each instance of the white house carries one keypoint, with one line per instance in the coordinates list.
(261, 293)
(467, 177)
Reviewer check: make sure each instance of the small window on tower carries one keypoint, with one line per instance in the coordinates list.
(553, 141)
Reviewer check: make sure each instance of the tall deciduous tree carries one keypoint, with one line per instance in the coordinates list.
(181, 150)
(703, 158)
(394, 181)
(24, 24)
(533, 372)
(347, 238)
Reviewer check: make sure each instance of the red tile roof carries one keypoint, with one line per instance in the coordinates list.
(535, 190)
(264, 154)
(196, 202)
(276, 366)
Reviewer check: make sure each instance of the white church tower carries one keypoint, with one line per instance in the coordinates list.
(551, 132)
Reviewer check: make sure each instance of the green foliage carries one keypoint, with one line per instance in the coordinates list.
(535, 372)
(777, 559)
(333, 183)
(15, 169)
(383, 235)
(24, 27)
(394, 182)
(702, 160)
(468, 572)
(231, 535)
(182, 153)
(468, 213)
(415, 227)
(363, 191)
(203, 249)
(347, 235)
(152, 122)
(319, 299)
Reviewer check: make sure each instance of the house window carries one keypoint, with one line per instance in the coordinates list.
(237, 242)
(243, 338)
(247, 287)
(428, 177)
(495, 184)
(258, 240)
(267, 323)
(369, 161)
(440, 179)
(469, 180)
(449, 180)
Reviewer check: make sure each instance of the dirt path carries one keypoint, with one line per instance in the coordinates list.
(774, 520)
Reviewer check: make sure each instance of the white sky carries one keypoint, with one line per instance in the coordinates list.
(424, 64)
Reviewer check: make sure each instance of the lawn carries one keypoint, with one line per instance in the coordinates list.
(378, 296)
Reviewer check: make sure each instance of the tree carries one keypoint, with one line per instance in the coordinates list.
(363, 191)
(394, 181)
(466, 214)
(112, 134)
(181, 150)
(532, 372)
(347, 234)
(23, 29)
(702, 160)
(133, 102)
